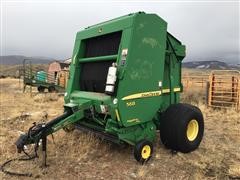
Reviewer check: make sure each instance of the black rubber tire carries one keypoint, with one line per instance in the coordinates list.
(138, 151)
(51, 89)
(173, 127)
(40, 89)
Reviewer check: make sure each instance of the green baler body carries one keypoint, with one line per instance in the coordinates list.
(148, 77)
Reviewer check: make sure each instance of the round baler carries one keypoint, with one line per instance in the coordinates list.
(124, 85)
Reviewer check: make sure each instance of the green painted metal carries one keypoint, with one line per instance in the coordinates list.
(154, 56)
(100, 58)
(148, 81)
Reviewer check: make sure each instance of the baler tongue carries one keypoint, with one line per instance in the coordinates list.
(73, 113)
(39, 131)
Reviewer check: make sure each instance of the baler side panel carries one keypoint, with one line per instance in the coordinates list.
(177, 53)
(166, 98)
(143, 71)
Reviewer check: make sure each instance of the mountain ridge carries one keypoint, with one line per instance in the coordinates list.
(209, 64)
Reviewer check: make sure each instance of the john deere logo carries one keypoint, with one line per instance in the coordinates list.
(142, 95)
(150, 94)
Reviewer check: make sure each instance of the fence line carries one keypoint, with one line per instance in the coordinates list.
(221, 87)
(224, 89)
(197, 80)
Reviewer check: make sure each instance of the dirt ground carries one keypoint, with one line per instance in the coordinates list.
(81, 156)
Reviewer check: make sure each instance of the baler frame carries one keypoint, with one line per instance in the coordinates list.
(144, 97)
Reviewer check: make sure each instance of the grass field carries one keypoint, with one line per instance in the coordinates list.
(81, 156)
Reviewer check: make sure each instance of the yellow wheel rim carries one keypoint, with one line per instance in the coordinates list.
(192, 130)
(146, 152)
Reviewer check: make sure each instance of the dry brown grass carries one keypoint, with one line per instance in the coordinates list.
(81, 156)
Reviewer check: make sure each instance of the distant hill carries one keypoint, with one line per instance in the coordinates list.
(209, 65)
(15, 59)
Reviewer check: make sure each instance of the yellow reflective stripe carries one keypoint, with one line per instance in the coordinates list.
(166, 91)
(133, 120)
(177, 89)
(117, 114)
(143, 95)
(149, 94)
